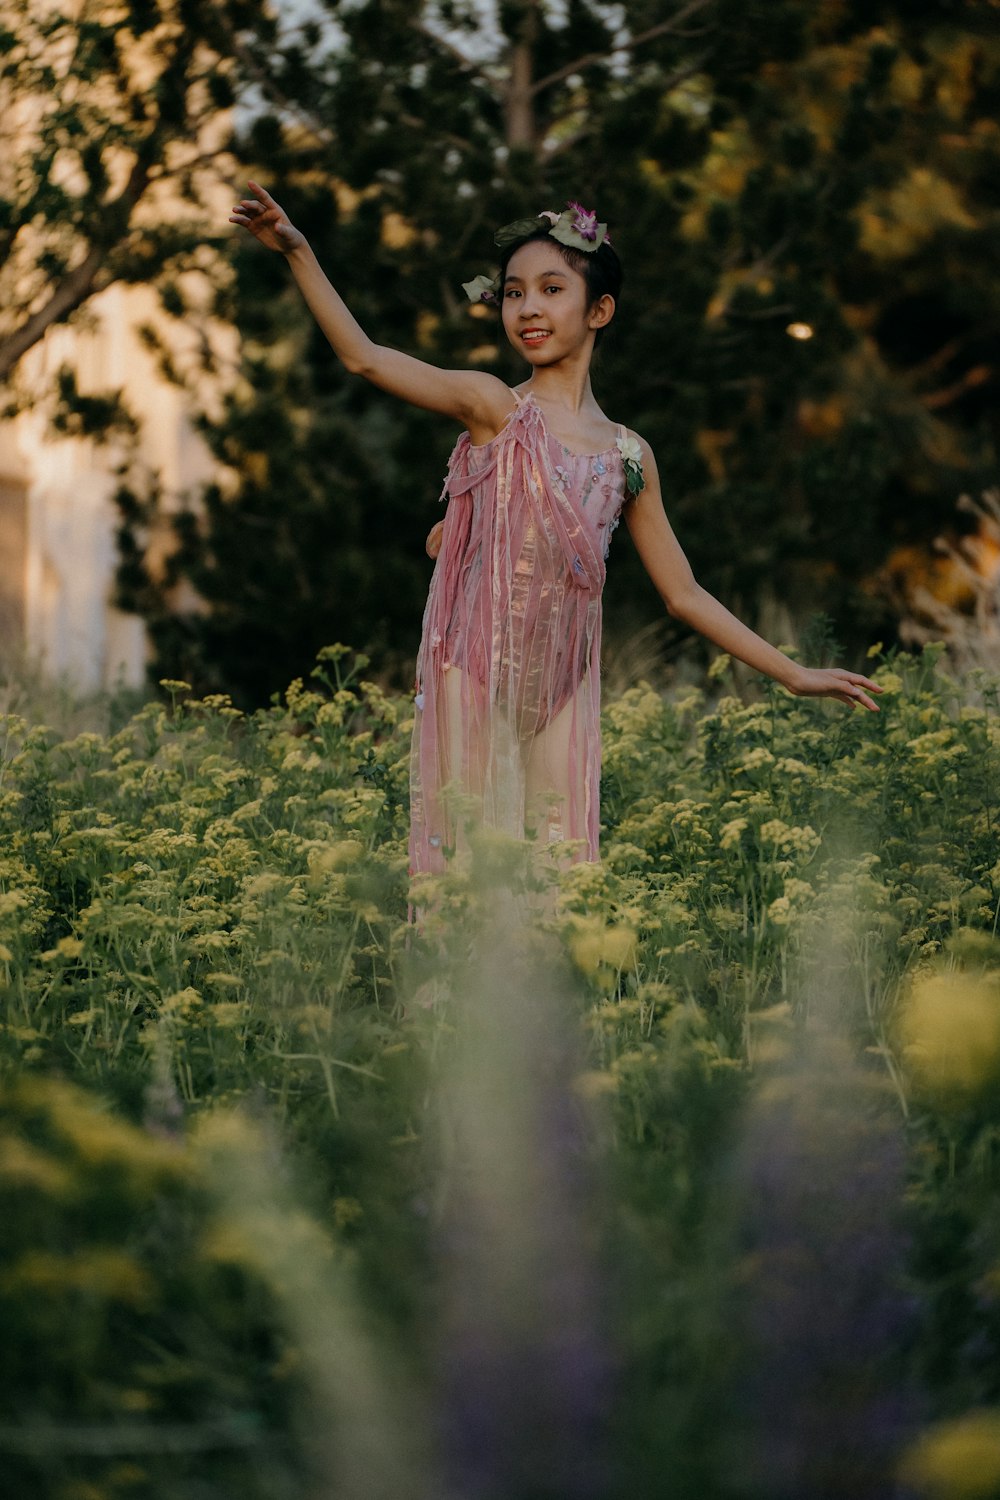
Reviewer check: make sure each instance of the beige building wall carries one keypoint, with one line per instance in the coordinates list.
(57, 518)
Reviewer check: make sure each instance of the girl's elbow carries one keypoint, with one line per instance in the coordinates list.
(354, 364)
(363, 362)
(678, 602)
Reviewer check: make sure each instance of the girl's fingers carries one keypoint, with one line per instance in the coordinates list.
(257, 211)
(857, 680)
(857, 695)
(846, 687)
(854, 692)
(862, 696)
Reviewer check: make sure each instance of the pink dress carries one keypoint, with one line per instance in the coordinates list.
(507, 724)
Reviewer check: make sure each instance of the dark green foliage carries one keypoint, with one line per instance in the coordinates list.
(761, 166)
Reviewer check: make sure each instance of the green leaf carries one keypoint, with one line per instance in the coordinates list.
(635, 479)
(482, 288)
(567, 235)
(520, 229)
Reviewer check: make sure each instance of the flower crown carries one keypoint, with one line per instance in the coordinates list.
(576, 227)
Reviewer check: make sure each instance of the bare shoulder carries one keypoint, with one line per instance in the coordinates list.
(648, 457)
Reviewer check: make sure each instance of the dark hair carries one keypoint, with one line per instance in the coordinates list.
(601, 269)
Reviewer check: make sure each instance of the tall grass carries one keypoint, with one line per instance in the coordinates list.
(672, 1175)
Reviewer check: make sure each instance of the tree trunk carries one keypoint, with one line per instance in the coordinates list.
(74, 290)
(520, 101)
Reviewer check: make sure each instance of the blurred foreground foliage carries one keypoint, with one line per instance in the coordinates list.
(226, 1252)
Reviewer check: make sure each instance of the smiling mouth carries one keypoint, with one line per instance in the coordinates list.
(534, 335)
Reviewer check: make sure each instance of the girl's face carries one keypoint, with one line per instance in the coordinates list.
(545, 305)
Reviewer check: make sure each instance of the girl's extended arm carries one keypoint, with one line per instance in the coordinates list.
(666, 564)
(478, 400)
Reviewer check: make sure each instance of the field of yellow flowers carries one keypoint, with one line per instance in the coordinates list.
(675, 1175)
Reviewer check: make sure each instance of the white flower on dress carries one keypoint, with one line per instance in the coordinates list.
(631, 452)
(629, 448)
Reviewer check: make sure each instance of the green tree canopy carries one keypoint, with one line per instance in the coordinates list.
(113, 126)
(768, 169)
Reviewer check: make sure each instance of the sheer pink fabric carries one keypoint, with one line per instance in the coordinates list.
(507, 726)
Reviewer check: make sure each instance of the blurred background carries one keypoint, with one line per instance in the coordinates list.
(672, 1175)
(805, 199)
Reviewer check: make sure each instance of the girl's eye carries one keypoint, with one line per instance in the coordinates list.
(512, 292)
(553, 288)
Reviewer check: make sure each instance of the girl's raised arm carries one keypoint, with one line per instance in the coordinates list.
(478, 400)
(670, 571)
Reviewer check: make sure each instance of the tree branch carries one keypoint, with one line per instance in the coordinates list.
(76, 287)
(675, 79)
(72, 291)
(662, 28)
(978, 375)
(163, 173)
(414, 123)
(270, 89)
(672, 81)
(778, 310)
(466, 64)
(941, 357)
(751, 273)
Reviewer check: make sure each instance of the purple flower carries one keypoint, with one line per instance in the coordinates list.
(584, 221)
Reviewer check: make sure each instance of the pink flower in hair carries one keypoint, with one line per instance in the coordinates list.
(584, 221)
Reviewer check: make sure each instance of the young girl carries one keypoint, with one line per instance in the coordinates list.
(508, 673)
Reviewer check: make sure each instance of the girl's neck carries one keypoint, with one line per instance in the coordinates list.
(569, 389)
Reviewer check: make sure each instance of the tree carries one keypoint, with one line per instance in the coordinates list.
(769, 169)
(325, 539)
(113, 130)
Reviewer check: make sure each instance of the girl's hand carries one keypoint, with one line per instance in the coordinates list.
(267, 221)
(834, 682)
(433, 543)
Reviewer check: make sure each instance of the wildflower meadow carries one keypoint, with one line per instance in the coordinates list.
(674, 1175)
